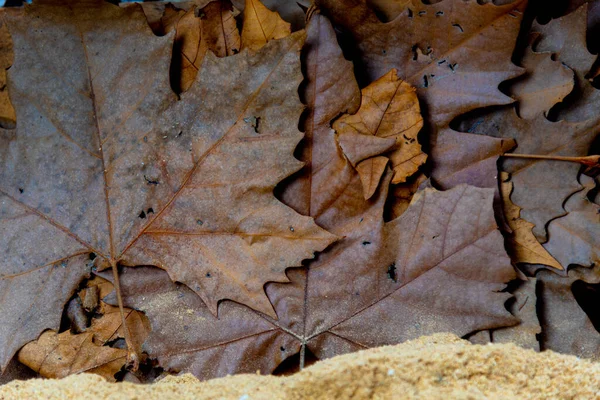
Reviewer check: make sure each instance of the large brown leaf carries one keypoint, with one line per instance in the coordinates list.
(455, 53)
(373, 287)
(109, 162)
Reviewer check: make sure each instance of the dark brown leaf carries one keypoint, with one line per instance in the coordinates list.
(455, 53)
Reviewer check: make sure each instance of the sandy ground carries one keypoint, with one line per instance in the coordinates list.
(436, 367)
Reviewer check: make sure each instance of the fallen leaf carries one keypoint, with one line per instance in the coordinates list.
(539, 203)
(566, 37)
(524, 247)
(330, 89)
(58, 355)
(546, 83)
(568, 312)
(390, 110)
(261, 25)
(186, 336)
(525, 334)
(110, 165)
(446, 243)
(455, 53)
(575, 238)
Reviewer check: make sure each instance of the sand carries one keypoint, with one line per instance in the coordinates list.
(441, 366)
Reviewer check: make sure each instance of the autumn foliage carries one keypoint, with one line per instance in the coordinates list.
(206, 187)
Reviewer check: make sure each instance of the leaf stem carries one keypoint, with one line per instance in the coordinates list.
(132, 355)
(590, 161)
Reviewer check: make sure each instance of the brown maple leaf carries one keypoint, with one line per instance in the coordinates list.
(56, 355)
(108, 165)
(454, 52)
(440, 266)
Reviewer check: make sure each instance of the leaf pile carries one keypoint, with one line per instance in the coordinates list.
(206, 187)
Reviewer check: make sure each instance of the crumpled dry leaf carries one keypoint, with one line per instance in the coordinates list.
(58, 355)
(388, 121)
(261, 25)
(186, 336)
(524, 247)
(110, 163)
(545, 83)
(575, 238)
(455, 53)
(197, 31)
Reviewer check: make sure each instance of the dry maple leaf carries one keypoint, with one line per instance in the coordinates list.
(329, 90)
(545, 84)
(445, 244)
(539, 203)
(261, 25)
(388, 121)
(575, 238)
(454, 52)
(566, 37)
(568, 311)
(56, 355)
(109, 162)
